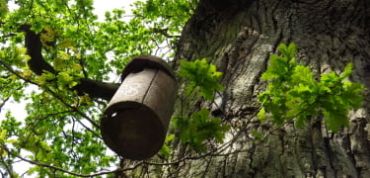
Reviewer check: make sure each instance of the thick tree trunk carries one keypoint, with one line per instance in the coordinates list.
(238, 36)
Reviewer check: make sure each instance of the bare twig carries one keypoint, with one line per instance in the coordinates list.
(55, 168)
(3, 103)
(77, 174)
(164, 32)
(8, 167)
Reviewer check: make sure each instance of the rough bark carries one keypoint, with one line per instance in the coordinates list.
(238, 36)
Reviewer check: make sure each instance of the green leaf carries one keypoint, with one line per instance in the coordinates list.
(293, 93)
(262, 114)
(3, 135)
(3, 8)
(166, 148)
(199, 128)
(347, 71)
(199, 74)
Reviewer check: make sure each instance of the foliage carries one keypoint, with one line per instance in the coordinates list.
(3, 8)
(166, 149)
(199, 74)
(201, 79)
(293, 93)
(194, 130)
(200, 127)
(60, 127)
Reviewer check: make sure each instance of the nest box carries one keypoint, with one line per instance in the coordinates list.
(135, 122)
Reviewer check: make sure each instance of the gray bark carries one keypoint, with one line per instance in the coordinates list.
(238, 36)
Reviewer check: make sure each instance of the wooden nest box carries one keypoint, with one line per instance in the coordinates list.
(135, 123)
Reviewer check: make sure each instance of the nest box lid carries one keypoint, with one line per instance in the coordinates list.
(141, 62)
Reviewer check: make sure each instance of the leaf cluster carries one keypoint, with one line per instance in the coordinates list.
(200, 74)
(200, 127)
(293, 93)
(3, 8)
(201, 81)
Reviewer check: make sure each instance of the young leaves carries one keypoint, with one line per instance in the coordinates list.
(166, 148)
(194, 130)
(199, 128)
(292, 92)
(202, 75)
(3, 8)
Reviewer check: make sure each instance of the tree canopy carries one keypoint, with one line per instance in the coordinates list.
(64, 63)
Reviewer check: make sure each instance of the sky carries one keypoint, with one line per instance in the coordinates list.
(18, 109)
(101, 6)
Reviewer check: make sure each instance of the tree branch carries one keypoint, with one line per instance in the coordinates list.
(96, 89)
(55, 95)
(3, 103)
(74, 173)
(7, 167)
(33, 44)
(164, 32)
(38, 65)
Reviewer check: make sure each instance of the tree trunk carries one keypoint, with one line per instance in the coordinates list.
(238, 36)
